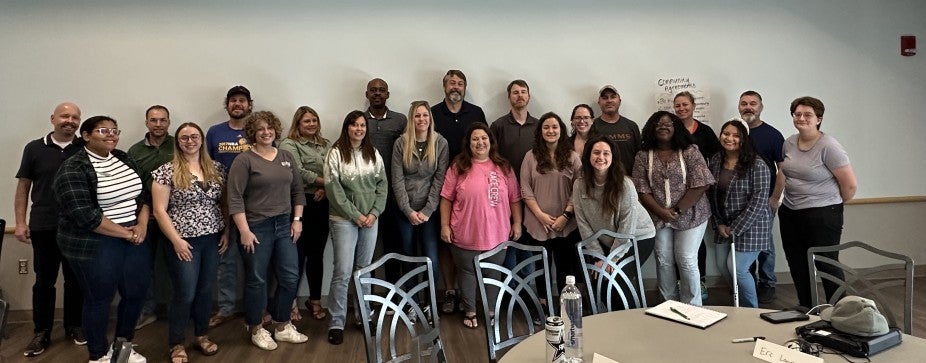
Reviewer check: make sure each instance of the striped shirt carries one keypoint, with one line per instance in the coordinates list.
(117, 188)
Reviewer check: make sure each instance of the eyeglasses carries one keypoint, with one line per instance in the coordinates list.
(188, 138)
(108, 131)
(582, 118)
(665, 124)
(806, 115)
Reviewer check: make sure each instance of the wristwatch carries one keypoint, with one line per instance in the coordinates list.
(297, 219)
(568, 214)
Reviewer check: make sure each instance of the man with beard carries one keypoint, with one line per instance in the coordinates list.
(768, 142)
(154, 150)
(515, 130)
(624, 132)
(453, 115)
(385, 126)
(40, 161)
(224, 142)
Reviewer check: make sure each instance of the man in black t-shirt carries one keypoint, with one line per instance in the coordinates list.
(453, 115)
(40, 161)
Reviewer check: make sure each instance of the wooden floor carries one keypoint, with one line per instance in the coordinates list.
(463, 344)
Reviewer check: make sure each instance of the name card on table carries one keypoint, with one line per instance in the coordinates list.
(774, 353)
(598, 358)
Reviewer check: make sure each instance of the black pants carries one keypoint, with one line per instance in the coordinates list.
(311, 244)
(564, 258)
(47, 257)
(805, 228)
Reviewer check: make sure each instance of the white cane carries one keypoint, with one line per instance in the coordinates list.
(736, 285)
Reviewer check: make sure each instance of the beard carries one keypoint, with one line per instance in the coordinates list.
(749, 117)
(455, 96)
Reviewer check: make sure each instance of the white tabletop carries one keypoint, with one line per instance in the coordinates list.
(632, 336)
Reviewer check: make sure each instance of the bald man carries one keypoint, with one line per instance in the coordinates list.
(40, 161)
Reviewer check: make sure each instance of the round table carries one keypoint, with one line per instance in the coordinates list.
(632, 336)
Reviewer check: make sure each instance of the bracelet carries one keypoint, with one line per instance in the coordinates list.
(676, 210)
(568, 215)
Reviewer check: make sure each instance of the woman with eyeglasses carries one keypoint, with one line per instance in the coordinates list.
(671, 178)
(101, 232)
(186, 198)
(582, 117)
(306, 144)
(818, 180)
(739, 205)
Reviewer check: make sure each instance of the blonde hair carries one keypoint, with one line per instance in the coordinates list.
(430, 149)
(294, 132)
(182, 177)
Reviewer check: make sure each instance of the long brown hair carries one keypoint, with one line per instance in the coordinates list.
(614, 178)
(182, 177)
(342, 144)
(562, 154)
(464, 161)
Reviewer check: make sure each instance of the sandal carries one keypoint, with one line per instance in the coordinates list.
(206, 346)
(178, 354)
(218, 319)
(315, 306)
(470, 321)
(295, 314)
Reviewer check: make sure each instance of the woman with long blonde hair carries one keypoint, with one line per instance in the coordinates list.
(187, 203)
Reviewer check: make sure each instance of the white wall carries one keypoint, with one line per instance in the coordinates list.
(119, 57)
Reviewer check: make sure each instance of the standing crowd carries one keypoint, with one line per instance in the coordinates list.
(441, 182)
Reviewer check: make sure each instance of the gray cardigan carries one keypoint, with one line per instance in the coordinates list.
(631, 219)
(417, 188)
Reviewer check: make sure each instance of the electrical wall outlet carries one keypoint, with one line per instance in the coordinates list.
(23, 266)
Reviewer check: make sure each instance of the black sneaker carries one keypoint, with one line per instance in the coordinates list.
(450, 302)
(413, 316)
(766, 294)
(38, 344)
(76, 334)
(336, 336)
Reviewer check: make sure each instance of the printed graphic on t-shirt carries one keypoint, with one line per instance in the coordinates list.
(234, 147)
(493, 188)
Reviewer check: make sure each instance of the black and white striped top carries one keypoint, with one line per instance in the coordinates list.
(117, 188)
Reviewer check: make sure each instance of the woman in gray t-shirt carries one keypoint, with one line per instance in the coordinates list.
(818, 179)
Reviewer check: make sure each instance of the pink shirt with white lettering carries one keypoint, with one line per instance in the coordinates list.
(481, 205)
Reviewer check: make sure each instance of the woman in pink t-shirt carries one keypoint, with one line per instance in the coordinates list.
(480, 208)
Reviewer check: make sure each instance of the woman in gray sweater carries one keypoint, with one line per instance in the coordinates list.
(605, 198)
(419, 162)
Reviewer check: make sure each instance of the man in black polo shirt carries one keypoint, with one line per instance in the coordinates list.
(385, 126)
(514, 131)
(451, 118)
(453, 115)
(40, 161)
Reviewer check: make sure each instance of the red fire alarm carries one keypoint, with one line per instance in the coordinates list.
(907, 45)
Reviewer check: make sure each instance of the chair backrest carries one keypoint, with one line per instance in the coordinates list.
(869, 282)
(413, 329)
(622, 287)
(4, 309)
(510, 303)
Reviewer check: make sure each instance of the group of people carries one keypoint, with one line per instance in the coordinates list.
(440, 182)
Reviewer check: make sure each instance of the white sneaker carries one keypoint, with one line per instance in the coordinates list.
(104, 359)
(289, 334)
(134, 357)
(263, 340)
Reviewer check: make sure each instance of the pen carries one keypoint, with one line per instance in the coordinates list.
(747, 340)
(674, 310)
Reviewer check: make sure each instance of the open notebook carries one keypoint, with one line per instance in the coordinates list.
(686, 314)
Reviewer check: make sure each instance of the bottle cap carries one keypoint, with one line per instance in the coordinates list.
(570, 280)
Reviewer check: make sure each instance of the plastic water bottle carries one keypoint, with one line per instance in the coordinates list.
(570, 302)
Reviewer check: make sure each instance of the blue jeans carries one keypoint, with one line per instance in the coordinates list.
(679, 247)
(192, 282)
(277, 250)
(227, 275)
(747, 285)
(117, 265)
(353, 250)
(766, 261)
(420, 240)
